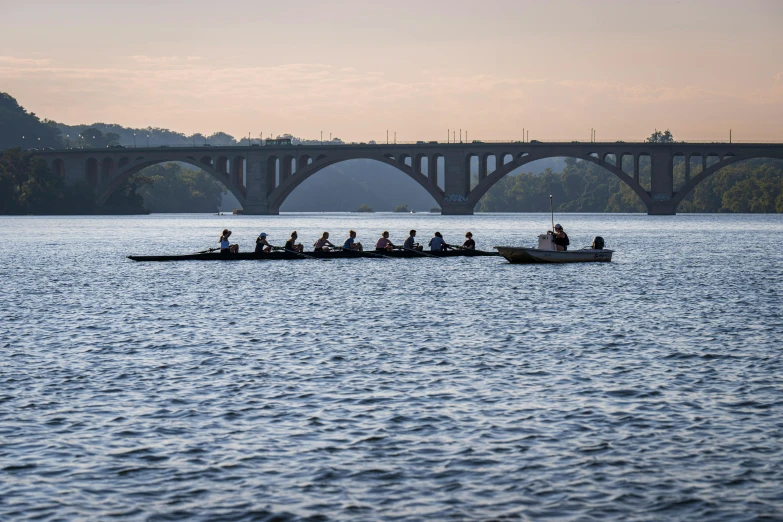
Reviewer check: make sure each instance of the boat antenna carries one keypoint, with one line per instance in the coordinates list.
(552, 210)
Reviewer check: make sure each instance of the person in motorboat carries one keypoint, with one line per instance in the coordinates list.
(560, 238)
(411, 243)
(225, 246)
(351, 243)
(384, 243)
(438, 244)
(323, 244)
(291, 244)
(262, 245)
(469, 244)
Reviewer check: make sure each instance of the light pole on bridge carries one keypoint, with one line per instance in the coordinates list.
(134, 140)
(148, 141)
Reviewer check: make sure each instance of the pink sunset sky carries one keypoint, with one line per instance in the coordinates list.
(358, 68)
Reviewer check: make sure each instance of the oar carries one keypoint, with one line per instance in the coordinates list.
(298, 253)
(418, 252)
(362, 253)
(206, 251)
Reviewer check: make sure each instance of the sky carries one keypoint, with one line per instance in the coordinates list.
(355, 69)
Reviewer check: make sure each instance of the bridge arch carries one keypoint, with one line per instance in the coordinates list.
(106, 189)
(278, 196)
(727, 160)
(496, 175)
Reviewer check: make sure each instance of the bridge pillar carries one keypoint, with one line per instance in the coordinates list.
(258, 186)
(74, 170)
(661, 184)
(457, 186)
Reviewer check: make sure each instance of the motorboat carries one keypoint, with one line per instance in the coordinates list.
(547, 252)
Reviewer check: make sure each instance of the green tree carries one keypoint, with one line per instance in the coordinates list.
(661, 137)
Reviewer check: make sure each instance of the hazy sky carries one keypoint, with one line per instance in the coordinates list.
(357, 68)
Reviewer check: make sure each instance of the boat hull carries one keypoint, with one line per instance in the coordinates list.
(534, 255)
(290, 256)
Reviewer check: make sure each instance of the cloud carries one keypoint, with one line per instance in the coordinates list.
(13, 60)
(157, 60)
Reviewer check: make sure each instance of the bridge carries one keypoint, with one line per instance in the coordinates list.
(262, 177)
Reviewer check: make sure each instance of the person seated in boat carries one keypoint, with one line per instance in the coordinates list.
(291, 244)
(351, 243)
(384, 243)
(323, 244)
(262, 245)
(469, 244)
(560, 238)
(410, 243)
(225, 246)
(438, 244)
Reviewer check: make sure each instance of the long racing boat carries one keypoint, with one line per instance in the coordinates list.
(291, 255)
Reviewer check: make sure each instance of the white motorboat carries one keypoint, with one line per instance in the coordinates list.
(547, 252)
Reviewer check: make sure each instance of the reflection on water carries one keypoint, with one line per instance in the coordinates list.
(371, 389)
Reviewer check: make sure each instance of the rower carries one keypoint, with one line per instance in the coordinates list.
(469, 244)
(322, 244)
(384, 243)
(291, 244)
(225, 246)
(262, 245)
(438, 244)
(351, 244)
(410, 243)
(560, 238)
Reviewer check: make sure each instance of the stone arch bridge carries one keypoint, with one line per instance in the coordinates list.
(262, 177)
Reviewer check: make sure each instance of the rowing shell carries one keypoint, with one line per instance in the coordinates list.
(534, 255)
(290, 256)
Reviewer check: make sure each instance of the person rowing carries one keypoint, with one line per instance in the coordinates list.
(323, 244)
(262, 245)
(469, 244)
(438, 244)
(292, 245)
(410, 243)
(384, 243)
(225, 246)
(351, 244)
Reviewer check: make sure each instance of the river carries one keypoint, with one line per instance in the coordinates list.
(391, 389)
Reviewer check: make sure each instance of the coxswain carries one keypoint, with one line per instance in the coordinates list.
(560, 238)
(322, 244)
(291, 244)
(437, 243)
(262, 245)
(410, 243)
(225, 246)
(469, 244)
(384, 243)
(351, 244)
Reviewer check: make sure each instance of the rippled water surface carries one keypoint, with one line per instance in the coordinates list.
(379, 389)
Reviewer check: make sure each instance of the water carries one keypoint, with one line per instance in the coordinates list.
(376, 389)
